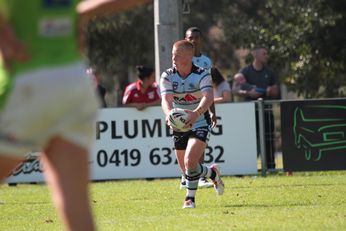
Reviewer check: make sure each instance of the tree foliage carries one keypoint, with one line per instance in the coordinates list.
(306, 39)
(118, 42)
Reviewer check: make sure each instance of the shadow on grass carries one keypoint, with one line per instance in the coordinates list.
(267, 205)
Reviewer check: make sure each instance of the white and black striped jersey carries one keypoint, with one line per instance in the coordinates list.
(187, 92)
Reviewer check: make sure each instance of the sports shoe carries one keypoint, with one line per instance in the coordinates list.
(183, 183)
(204, 183)
(218, 183)
(189, 204)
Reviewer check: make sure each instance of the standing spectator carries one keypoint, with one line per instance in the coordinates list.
(196, 99)
(47, 103)
(194, 35)
(259, 75)
(144, 92)
(222, 89)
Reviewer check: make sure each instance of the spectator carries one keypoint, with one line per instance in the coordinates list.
(194, 35)
(47, 103)
(144, 92)
(266, 87)
(222, 89)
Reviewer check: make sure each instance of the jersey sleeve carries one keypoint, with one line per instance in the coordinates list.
(166, 86)
(206, 82)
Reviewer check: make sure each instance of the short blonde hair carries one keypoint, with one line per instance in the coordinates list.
(185, 45)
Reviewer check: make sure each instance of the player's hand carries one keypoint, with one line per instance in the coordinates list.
(213, 119)
(11, 48)
(191, 119)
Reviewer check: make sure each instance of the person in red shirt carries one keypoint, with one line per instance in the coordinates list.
(144, 92)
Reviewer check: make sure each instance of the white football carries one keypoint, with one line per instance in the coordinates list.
(178, 118)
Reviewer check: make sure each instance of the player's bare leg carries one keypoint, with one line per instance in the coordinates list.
(194, 150)
(66, 168)
(180, 158)
(7, 164)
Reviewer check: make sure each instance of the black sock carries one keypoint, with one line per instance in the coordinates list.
(213, 174)
(190, 198)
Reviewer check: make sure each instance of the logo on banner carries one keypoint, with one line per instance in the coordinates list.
(29, 165)
(316, 132)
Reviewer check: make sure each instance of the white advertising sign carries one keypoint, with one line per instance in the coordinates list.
(137, 144)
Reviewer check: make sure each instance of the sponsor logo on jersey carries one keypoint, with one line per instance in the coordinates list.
(55, 27)
(186, 98)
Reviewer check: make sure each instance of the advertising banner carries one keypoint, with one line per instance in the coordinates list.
(132, 144)
(314, 135)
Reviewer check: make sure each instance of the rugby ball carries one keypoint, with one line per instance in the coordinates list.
(178, 118)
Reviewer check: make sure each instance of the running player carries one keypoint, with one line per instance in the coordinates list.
(190, 87)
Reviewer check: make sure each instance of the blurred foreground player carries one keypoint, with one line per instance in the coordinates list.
(46, 102)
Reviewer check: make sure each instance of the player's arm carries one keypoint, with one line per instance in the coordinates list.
(204, 105)
(167, 103)
(100, 7)
(167, 106)
(11, 48)
(212, 112)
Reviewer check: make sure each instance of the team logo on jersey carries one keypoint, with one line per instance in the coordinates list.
(175, 85)
(55, 26)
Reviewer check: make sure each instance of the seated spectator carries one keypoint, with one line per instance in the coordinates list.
(241, 86)
(222, 89)
(144, 92)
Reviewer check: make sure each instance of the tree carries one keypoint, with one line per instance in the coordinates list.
(305, 39)
(121, 41)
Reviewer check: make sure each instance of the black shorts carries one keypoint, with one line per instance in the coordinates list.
(181, 138)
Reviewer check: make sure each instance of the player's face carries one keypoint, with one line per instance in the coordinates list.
(194, 38)
(181, 58)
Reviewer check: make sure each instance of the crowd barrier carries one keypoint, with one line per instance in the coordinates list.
(310, 135)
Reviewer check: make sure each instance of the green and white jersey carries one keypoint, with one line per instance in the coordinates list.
(48, 30)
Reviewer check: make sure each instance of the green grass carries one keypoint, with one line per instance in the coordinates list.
(305, 201)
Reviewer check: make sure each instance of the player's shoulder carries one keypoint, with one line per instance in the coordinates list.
(200, 70)
(169, 71)
(206, 58)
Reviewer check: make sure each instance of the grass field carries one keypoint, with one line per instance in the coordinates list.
(304, 201)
